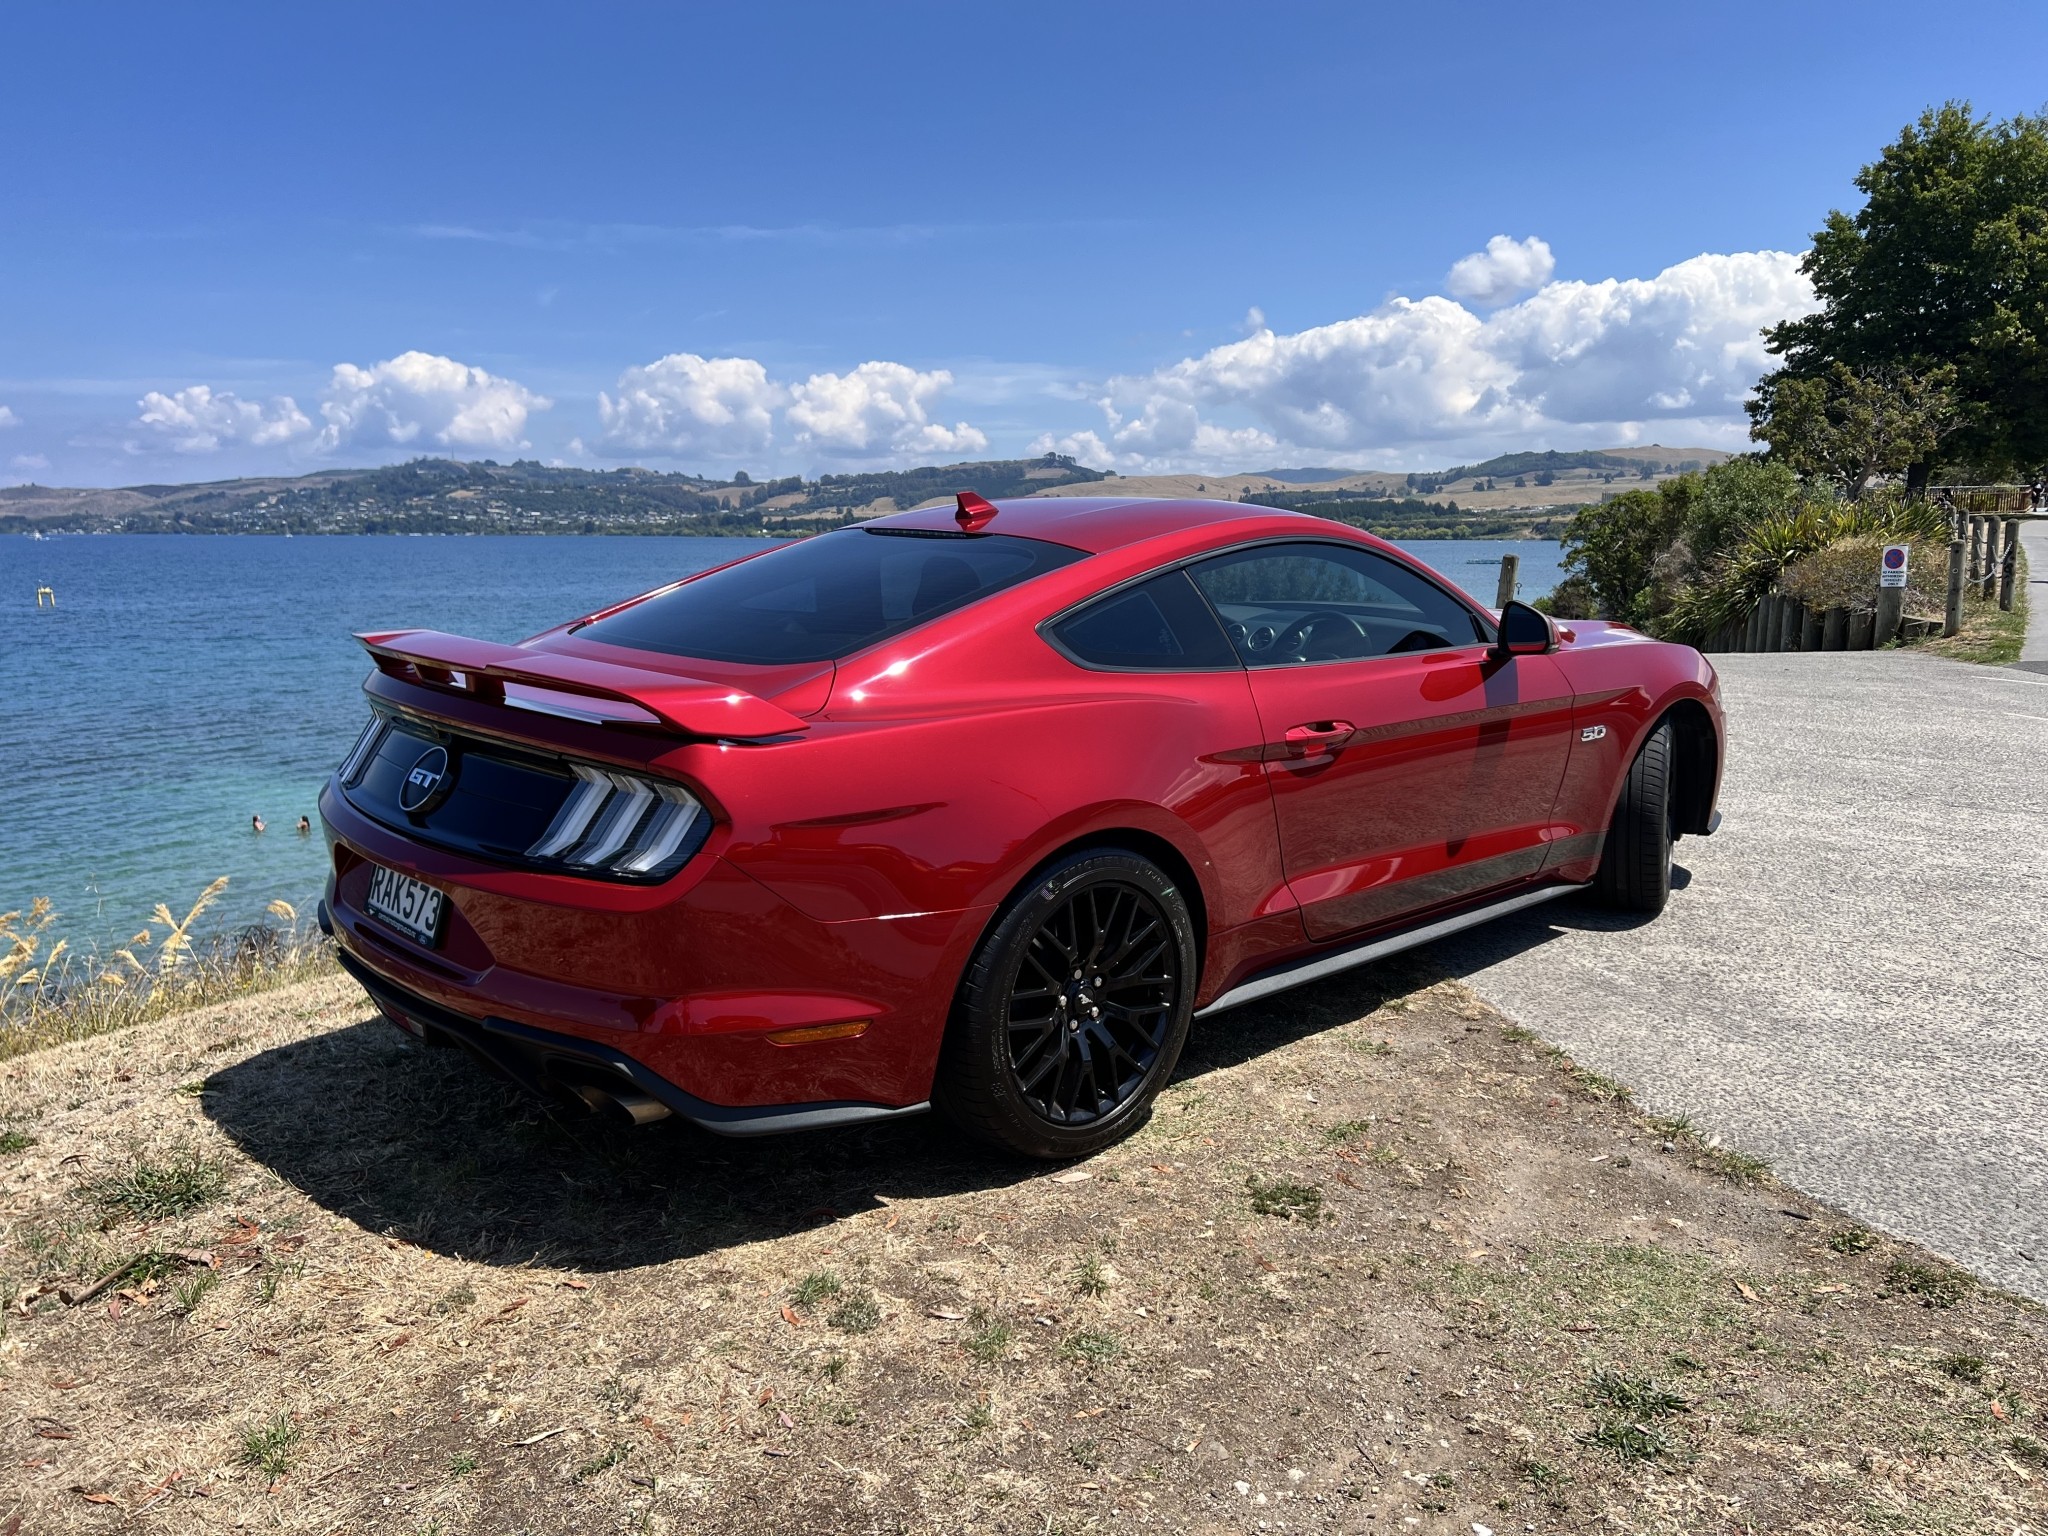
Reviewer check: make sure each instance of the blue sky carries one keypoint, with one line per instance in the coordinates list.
(243, 239)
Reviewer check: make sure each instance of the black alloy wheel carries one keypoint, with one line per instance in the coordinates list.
(1093, 1002)
(1074, 1010)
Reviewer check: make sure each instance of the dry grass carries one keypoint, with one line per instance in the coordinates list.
(1480, 1292)
(50, 992)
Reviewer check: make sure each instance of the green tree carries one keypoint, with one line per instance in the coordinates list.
(1945, 265)
(1853, 426)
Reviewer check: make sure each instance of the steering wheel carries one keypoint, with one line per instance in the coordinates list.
(1295, 641)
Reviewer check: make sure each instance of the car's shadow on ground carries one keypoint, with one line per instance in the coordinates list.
(424, 1145)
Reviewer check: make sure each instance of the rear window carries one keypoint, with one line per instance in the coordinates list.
(829, 596)
(1161, 625)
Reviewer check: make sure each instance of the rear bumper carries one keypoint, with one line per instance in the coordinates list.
(555, 1066)
(698, 982)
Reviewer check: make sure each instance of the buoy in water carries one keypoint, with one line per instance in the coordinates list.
(43, 592)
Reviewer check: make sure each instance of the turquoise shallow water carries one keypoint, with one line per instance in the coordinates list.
(184, 683)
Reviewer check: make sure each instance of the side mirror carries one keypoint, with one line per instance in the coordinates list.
(1524, 632)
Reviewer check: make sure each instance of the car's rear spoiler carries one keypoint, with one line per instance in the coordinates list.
(483, 670)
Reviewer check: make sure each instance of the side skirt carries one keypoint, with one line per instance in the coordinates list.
(1316, 967)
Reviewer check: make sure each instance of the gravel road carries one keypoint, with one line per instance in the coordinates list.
(1853, 981)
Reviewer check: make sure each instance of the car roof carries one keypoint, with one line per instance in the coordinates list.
(1102, 523)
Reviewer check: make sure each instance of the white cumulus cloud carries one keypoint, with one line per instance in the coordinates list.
(683, 404)
(1574, 360)
(1505, 268)
(879, 410)
(418, 397)
(8, 418)
(199, 420)
(28, 463)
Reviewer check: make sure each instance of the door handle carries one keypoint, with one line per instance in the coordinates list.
(1318, 738)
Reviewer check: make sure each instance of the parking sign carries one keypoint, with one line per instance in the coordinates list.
(1891, 572)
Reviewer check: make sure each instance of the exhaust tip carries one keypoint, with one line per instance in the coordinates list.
(627, 1104)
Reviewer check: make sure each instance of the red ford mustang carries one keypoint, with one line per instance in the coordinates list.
(979, 808)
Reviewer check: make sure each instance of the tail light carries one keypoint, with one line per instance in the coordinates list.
(616, 823)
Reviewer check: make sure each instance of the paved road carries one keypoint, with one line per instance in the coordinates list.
(1854, 981)
(2034, 544)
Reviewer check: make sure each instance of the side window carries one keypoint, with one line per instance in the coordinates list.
(1290, 604)
(1160, 625)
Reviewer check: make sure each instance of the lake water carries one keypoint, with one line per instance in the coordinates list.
(183, 683)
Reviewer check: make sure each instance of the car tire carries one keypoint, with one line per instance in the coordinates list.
(1635, 861)
(1028, 1066)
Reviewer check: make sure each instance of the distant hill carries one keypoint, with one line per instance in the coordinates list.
(449, 496)
(1512, 493)
(1306, 476)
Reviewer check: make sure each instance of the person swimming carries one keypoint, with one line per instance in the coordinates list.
(256, 822)
(305, 826)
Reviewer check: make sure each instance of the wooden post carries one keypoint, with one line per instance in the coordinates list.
(1809, 629)
(1834, 634)
(1753, 628)
(1789, 611)
(1510, 565)
(2009, 564)
(1767, 638)
(1975, 568)
(1988, 574)
(1862, 629)
(1952, 621)
(1891, 607)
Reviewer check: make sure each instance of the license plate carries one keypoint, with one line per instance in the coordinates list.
(411, 906)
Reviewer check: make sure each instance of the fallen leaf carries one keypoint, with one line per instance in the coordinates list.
(1829, 1290)
(773, 1450)
(785, 1420)
(1747, 1293)
(890, 1224)
(96, 1498)
(398, 1343)
(65, 1383)
(1073, 1176)
(575, 1285)
(1581, 1327)
(791, 1318)
(1091, 1413)
(1998, 1412)
(546, 1434)
(947, 1317)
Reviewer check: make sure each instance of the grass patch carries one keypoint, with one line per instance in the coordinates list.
(858, 1313)
(977, 1421)
(1636, 1396)
(194, 1288)
(462, 1463)
(1626, 1440)
(1285, 1198)
(269, 1447)
(1852, 1239)
(1091, 1277)
(156, 1189)
(604, 1461)
(50, 993)
(1091, 1346)
(1931, 1285)
(819, 1285)
(1349, 1131)
(991, 1338)
(1964, 1368)
(12, 1140)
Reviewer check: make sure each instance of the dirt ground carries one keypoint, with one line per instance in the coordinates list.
(1380, 1263)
